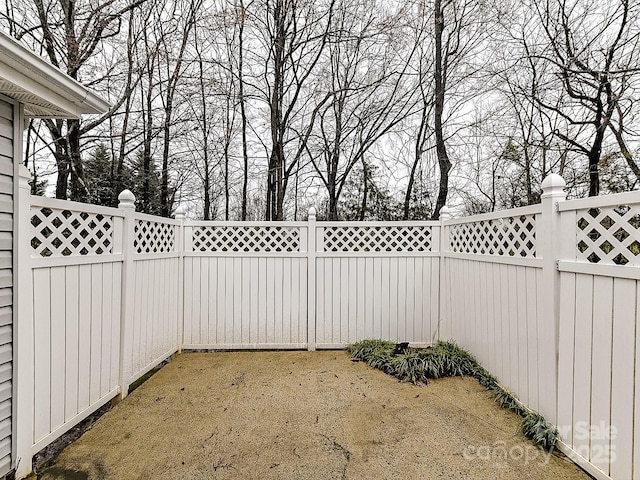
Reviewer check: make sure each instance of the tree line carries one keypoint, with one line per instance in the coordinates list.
(258, 109)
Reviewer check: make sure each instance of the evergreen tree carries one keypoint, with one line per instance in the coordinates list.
(38, 187)
(99, 179)
(146, 185)
(421, 206)
(364, 199)
(104, 187)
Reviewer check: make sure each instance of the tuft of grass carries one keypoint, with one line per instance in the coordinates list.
(447, 359)
(367, 348)
(535, 427)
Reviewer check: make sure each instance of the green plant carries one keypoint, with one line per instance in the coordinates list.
(535, 427)
(446, 359)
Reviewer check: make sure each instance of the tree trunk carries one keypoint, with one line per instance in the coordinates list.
(594, 175)
(60, 156)
(227, 142)
(119, 180)
(333, 201)
(165, 208)
(602, 119)
(243, 115)
(79, 192)
(365, 190)
(417, 156)
(275, 194)
(440, 90)
(146, 148)
(207, 195)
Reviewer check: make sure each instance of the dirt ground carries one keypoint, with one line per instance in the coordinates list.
(302, 415)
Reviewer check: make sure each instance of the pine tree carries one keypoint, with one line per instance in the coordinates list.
(99, 179)
(364, 199)
(146, 186)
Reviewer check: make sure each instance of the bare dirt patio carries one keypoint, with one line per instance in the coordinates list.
(302, 415)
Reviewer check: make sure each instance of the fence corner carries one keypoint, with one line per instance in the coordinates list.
(446, 213)
(180, 215)
(127, 205)
(311, 280)
(548, 249)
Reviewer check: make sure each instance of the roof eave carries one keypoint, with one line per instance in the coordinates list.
(34, 76)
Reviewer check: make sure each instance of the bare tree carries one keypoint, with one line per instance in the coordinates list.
(369, 92)
(292, 35)
(184, 16)
(241, 10)
(594, 61)
(71, 34)
(422, 130)
(201, 113)
(147, 99)
(459, 29)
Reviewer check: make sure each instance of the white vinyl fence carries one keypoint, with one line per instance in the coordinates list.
(599, 355)
(77, 283)
(546, 297)
(153, 295)
(104, 297)
(245, 285)
(493, 274)
(376, 280)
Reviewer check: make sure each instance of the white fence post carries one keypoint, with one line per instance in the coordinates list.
(23, 375)
(548, 248)
(311, 280)
(443, 292)
(180, 215)
(127, 204)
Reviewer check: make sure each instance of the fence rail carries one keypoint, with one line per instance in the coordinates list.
(546, 297)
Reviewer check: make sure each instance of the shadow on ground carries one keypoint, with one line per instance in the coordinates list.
(302, 415)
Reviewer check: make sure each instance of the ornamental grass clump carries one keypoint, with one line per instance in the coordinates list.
(535, 427)
(446, 359)
(415, 365)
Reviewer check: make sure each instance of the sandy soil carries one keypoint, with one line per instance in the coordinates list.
(301, 415)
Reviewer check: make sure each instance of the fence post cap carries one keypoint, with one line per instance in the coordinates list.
(180, 212)
(127, 199)
(553, 184)
(312, 213)
(24, 176)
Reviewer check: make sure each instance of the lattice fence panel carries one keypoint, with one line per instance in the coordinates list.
(65, 233)
(246, 239)
(377, 239)
(154, 237)
(510, 237)
(609, 235)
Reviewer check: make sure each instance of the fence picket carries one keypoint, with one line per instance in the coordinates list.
(622, 376)
(582, 360)
(601, 346)
(636, 381)
(533, 375)
(72, 343)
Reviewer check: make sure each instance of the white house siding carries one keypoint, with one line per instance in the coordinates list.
(6, 280)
